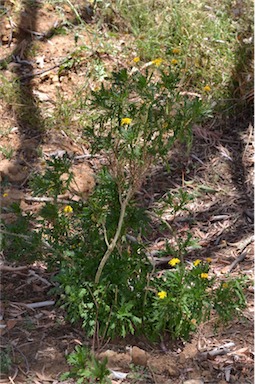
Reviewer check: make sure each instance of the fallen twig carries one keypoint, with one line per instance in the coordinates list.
(38, 73)
(237, 260)
(42, 279)
(221, 350)
(241, 245)
(7, 268)
(39, 304)
(46, 199)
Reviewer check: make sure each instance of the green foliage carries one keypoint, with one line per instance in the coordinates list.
(104, 275)
(86, 368)
(53, 183)
(73, 61)
(157, 115)
(7, 152)
(188, 294)
(18, 239)
(183, 299)
(5, 360)
(229, 299)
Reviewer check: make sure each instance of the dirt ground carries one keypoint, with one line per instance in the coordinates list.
(219, 169)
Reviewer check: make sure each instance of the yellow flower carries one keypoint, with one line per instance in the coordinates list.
(126, 120)
(68, 209)
(174, 261)
(225, 285)
(136, 59)
(162, 294)
(5, 194)
(204, 275)
(174, 61)
(197, 262)
(193, 321)
(207, 88)
(157, 62)
(208, 259)
(176, 50)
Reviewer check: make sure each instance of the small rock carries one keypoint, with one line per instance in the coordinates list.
(193, 382)
(83, 180)
(13, 171)
(55, 79)
(139, 356)
(108, 354)
(116, 360)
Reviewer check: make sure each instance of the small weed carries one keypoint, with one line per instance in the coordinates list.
(5, 360)
(86, 368)
(7, 152)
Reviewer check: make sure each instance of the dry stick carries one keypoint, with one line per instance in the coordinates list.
(221, 350)
(47, 199)
(237, 260)
(113, 243)
(38, 73)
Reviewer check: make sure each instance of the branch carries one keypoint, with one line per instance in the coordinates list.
(113, 243)
(236, 261)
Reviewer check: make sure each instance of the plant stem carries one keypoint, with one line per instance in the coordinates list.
(113, 243)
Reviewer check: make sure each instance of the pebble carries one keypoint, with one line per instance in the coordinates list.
(139, 356)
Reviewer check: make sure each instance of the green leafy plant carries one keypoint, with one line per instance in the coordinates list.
(86, 368)
(187, 295)
(5, 360)
(7, 152)
(19, 240)
(138, 118)
(104, 274)
(229, 299)
(52, 183)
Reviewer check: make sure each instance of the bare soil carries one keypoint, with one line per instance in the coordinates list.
(219, 169)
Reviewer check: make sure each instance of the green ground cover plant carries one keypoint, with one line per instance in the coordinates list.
(86, 368)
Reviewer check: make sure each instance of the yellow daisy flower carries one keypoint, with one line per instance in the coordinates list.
(5, 194)
(174, 61)
(162, 294)
(68, 209)
(176, 50)
(174, 261)
(204, 275)
(207, 88)
(136, 59)
(208, 259)
(126, 121)
(197, 262)
(157, 62)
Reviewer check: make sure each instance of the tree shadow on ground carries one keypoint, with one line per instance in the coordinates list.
(28, 116)
(30, 122)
